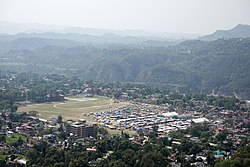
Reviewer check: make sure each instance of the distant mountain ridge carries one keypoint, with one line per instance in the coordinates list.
(15, 28)
(94, 39)
(240, 31)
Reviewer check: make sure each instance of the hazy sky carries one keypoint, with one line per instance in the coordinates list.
(189, 16)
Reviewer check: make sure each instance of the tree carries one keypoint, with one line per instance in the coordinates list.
(118, 94)
(153, 159)
(49, 162)
(221, 136)
(2, 138)
(117, 163)
(46, 131)
(154, 133)
(210, 160)
(103, 131)
(240, 159)
(78, 162)
(33, 113)
(229, 162)
(62, 135)
(165, 152)
(2, 162)
(67, 156)
(102, 146)
(19, 142)
(195, 149)
(59, 119)
(33, 156)
(128, 157)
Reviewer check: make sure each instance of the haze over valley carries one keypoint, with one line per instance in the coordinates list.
(125, 83)
(211, 63)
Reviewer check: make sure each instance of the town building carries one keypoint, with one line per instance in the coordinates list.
(81, 129)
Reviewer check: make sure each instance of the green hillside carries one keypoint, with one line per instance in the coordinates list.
(190, 67)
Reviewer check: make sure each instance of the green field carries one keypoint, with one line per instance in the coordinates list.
(73, 108)
(14, 138)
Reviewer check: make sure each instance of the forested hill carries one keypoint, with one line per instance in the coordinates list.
(239, 31)
(189, 67)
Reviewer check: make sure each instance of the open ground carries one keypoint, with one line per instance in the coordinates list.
(73, 108)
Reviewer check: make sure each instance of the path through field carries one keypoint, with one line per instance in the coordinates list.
(73, 108)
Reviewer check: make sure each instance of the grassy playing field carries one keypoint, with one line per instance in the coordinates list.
(74, 108)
